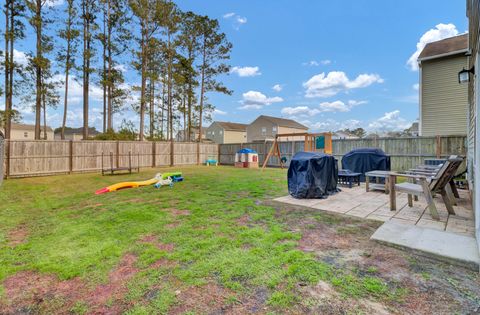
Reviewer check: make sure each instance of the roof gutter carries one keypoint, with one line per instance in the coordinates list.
(456, 52)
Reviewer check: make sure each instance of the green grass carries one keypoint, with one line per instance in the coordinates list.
(74, 233)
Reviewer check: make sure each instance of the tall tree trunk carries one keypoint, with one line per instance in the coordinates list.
(169, 89)
(189, 98)
(185, 138)
(104, 76)
(38, 70)
(86, 65)
(67, 70)
(7, 69)
(12, 66)
(44, 107)
(152, 108)
(202, 92)
(109, 71)
(144, 83)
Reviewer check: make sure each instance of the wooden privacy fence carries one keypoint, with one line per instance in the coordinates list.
(405, 152)
(25, 158)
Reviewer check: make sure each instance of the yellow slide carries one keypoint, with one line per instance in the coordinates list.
(123, 185)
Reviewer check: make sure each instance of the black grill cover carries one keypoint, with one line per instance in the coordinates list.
(364, 160)
(312, 175)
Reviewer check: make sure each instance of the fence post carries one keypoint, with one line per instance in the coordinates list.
(7, 160)
(438, 146)
(172, 161)
(117, 153)
(70, 157)
(154, 154)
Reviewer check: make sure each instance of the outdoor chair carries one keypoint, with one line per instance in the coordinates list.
(425, 186)
(430, 171)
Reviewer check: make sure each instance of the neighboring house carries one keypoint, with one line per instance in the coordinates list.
(443, 102)
(75, 133)
(412, 130)
(27, 132)
(343, 135)
(181, 135)
(227, 132)
(266, 127)
(473, 131)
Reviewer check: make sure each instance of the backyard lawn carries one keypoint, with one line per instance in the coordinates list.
(215, 243)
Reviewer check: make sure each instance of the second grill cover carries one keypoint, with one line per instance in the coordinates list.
(312, 175)
(364, 160)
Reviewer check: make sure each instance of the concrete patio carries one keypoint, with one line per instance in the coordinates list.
(375, 205)
(451, 239)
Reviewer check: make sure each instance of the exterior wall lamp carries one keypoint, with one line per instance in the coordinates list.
(464, 75)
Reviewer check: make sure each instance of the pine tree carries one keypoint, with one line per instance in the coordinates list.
(89, 8)
(14, 31)
(39, 63)
(189, 43)
(70, 34)
(214, 50)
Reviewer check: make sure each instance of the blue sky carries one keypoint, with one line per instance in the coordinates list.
(328, 64)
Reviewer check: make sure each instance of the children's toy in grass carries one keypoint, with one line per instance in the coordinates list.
(158, 181)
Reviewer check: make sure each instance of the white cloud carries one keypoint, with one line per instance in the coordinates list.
(416, 86)
(440, 31)
(121, 67)
(241, 20)
(256, 100)
(334, 82)
(228, 15)
(300, 111)
(314, 63)
(388, 122)
(54, 3)
(331, 124)
(277, 87)
(246, 71)
(19, 57)
(339, 106)
(237, 20)
(219, 112)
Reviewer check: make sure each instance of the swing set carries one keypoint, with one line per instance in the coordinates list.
(314, 142)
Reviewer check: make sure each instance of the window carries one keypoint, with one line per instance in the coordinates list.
(213, 133)
(264, 131)
(25, 134)
(220, 132)
(274, 130)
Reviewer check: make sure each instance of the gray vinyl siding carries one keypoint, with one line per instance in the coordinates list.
(444, 100)
(215, 133)
(473, 13)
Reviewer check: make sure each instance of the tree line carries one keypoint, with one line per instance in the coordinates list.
(178, 57)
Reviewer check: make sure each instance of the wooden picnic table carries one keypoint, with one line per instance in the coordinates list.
(378, 175)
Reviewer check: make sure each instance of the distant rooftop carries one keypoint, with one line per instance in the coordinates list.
(284, 122)
(16, 126)
(232, 126)
(445, 46)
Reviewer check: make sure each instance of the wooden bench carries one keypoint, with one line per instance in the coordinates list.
(422, 185)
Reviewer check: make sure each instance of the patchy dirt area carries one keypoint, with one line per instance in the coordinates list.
(153, 239)
(432, 287)
(17, 236)
(31, 293)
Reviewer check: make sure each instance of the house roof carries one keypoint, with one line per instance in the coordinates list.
(16, 126)
(72, 131)
(283, 122)
(444, 47)
(230, 126)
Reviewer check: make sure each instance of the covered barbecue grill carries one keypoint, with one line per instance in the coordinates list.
(312, 175)
(364, 160)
